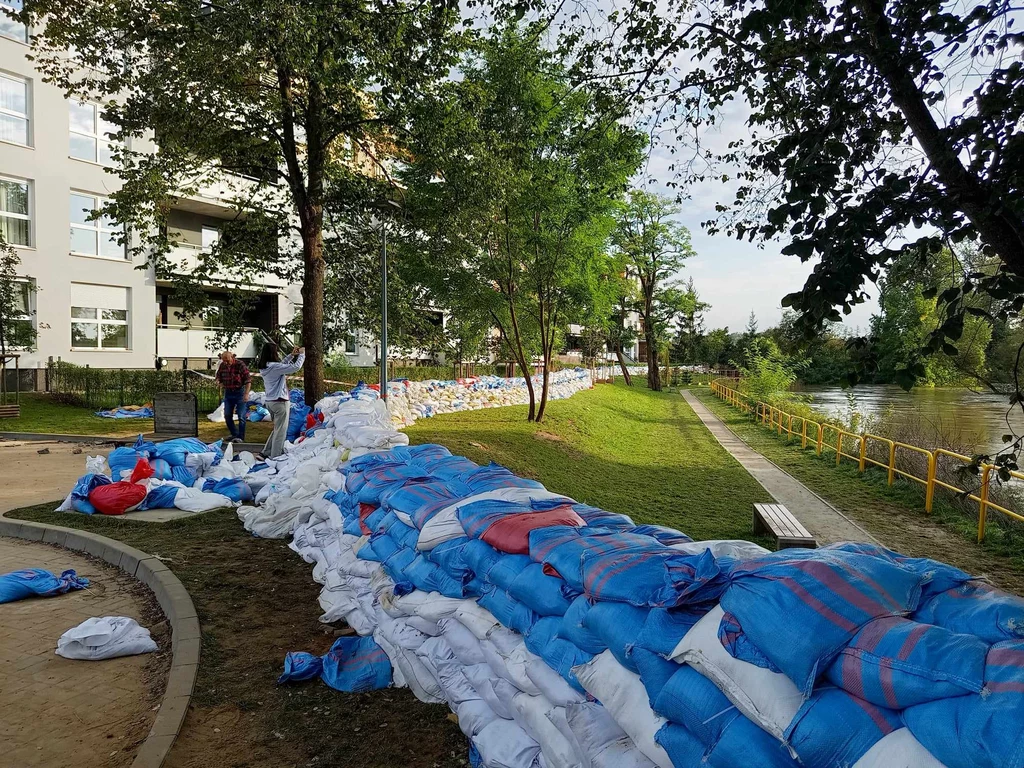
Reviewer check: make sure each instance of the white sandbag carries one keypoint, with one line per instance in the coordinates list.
(200, 462)
(768, 698)
(105, 637)
(333, 481)
(455, 685)
(274, 520)
(192, 500)
(419, 679)
(483, 681)
(600, 741)
(898, 750)
(476, 619)
(428, 628)
(67, 505)
(625, 698)
(503, 744)
(463, 643)
(361, 569)
(734, 548)
(550, 683)
(509, 663)
(474, 715)
(218, 414)
(96, 465)
(434, 650)
(360, 622)
(556, 716)
(532, 713)
(432, 606)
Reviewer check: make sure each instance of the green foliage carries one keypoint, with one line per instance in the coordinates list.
(510, 193)
(17, 332)
(654, 247)
(765, 373)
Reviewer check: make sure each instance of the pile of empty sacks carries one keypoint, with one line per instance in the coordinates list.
(566, 636)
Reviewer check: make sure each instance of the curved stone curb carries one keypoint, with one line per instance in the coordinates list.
(176, 604)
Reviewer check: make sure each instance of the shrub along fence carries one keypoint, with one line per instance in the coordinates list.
(931, 468)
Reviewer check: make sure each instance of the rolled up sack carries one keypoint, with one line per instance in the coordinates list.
(105, 637)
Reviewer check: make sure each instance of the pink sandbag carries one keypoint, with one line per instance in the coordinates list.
(511, 533)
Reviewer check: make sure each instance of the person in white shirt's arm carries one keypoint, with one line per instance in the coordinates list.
(274, 372)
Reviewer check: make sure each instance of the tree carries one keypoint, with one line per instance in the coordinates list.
(282, 93)
(655, 247)
(716, 348)
(16, 330)
(691, 326)
(511, 190)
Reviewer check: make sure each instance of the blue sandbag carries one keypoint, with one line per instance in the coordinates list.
(596, 517)
(430, 578)
(356, 665)
(297, 421)
(174, 451)
(86, 483)
(618, 625)
(480, 557)
(800, 607)
(300, 666)
(655, 671)
(233, 488)
(665, 627)
(574, 629)
(692, 702)
(84, 506)
(494, 477)
(898, 663)
(373, 520)
(396, 563)
(739, 645)
(508, 610)
(352, 527)
(402, 533)
(160, 497)
(506, 569)
(664, 535)
(833, 728)
(450, 556)
(144, 447)
(29, 582)
(367, 552)
(978, 731)
(161, 469)
(184, 475)
(541, 593)
(121, 459)
(976, 608)
(683, 747)
(562, 656)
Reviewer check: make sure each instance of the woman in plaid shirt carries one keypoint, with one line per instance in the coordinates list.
(235, 382)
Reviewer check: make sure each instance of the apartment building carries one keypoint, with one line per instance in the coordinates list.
(89, 302)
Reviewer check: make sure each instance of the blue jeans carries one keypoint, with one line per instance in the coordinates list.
(233, 403)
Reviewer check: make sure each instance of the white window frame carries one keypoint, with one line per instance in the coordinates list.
(21, 216)
(27, 115)
(99, 321)
(23, 40)
(95, 226)
(98, 137)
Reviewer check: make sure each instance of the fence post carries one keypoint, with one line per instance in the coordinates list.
(120, 379)
(862, 463)
(803, 433)
(821, 437)
(892, 462)
(983, 501)
(779, 427)
(88, 376)
(839, 446)
(184, 375)
(929, 493)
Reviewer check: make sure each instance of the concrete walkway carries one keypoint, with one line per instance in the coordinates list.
(827, 523)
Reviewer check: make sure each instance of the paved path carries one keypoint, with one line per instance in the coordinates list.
(55, 712)
(826, 522)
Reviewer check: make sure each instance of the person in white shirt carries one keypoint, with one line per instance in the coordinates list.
(274, 372)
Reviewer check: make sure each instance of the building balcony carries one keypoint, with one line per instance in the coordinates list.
(198, 343)
(184, 259)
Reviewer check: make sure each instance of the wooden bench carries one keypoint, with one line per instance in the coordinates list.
(777, 521)
(12, 411)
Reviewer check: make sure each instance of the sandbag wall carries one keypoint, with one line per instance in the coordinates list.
(565, 635)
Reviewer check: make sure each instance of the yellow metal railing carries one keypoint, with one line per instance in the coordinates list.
(818, 435)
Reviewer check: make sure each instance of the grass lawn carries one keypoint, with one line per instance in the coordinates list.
(625, 449)
(628, 450)
(39, 413)
(894, 514)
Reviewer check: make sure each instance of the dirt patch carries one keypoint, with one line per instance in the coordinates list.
(256, 601)
(541, 435)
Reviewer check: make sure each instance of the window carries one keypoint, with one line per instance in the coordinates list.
(8, 26)
(93, 237)
(20, 331)
(99, 317)
(13, 110)
(210, 237)
(15, 220)
(90, 133)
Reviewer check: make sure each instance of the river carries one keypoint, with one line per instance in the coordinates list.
(979, 419)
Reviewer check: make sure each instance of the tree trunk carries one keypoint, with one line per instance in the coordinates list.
(626, 375)
(523, 362)
(314, 269)
(653, 371)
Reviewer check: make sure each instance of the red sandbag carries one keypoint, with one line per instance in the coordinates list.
(365, 510)
(511, 533)
(143, 470)
(117, 498)
(311, 421)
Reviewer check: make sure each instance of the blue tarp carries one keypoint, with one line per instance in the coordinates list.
(125, 413)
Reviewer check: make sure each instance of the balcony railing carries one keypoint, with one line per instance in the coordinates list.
(174, 342)
(184, 259)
